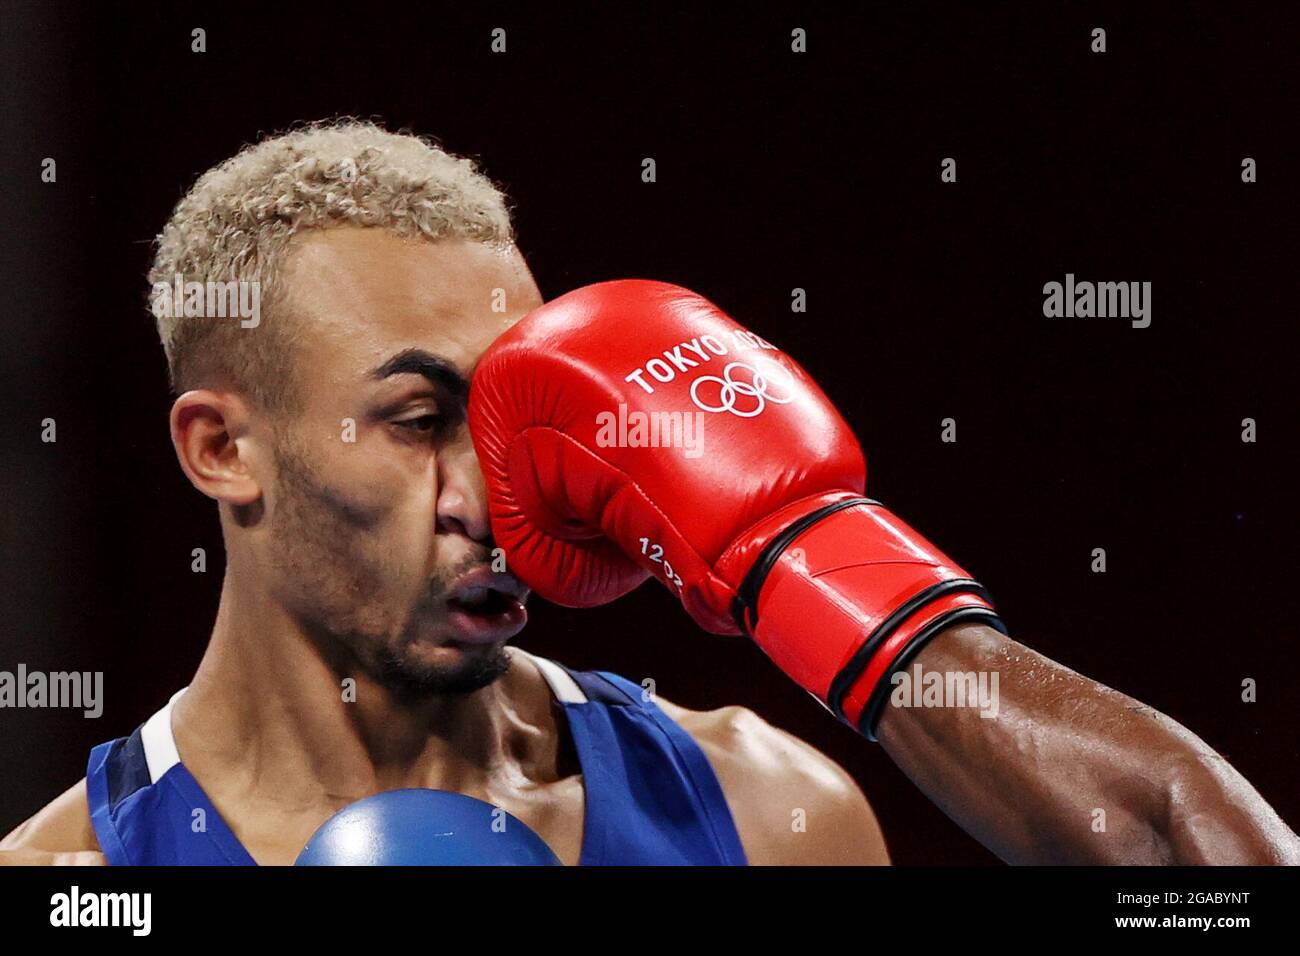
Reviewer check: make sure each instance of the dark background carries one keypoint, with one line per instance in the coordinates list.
(776, 171)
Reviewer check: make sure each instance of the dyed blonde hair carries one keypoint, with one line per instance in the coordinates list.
(237, 221)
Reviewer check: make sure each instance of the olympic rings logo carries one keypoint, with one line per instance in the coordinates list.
(736, 396)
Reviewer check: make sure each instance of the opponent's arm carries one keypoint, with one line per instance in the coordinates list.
(1071, 771)
(763, 529)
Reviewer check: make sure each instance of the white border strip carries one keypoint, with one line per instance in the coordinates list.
(159, 743)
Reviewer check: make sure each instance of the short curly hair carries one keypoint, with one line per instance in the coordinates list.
(238, 219)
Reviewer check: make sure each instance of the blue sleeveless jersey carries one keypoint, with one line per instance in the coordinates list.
(651, 796)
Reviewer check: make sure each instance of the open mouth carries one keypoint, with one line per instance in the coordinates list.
(484, 601)
(487, 606)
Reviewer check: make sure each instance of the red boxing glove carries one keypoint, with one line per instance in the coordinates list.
(631, 428)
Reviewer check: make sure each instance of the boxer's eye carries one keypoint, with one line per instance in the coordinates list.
(422, 424)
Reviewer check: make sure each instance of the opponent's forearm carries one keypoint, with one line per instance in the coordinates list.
(1071, 771)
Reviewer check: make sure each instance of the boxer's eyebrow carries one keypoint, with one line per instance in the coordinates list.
(436, 369)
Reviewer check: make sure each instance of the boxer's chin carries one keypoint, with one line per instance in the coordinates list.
(421, 670)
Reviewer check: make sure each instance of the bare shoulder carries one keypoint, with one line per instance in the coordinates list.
(792, 804)
(60, 834)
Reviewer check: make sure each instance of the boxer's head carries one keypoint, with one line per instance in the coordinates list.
(328, 416)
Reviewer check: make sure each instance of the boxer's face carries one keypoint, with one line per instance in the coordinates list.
(377, 533)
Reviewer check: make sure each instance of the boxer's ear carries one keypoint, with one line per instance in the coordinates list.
(210, 432)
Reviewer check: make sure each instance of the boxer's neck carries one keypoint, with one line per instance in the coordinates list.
(268, 714)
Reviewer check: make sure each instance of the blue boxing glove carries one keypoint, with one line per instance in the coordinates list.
(424, 828)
